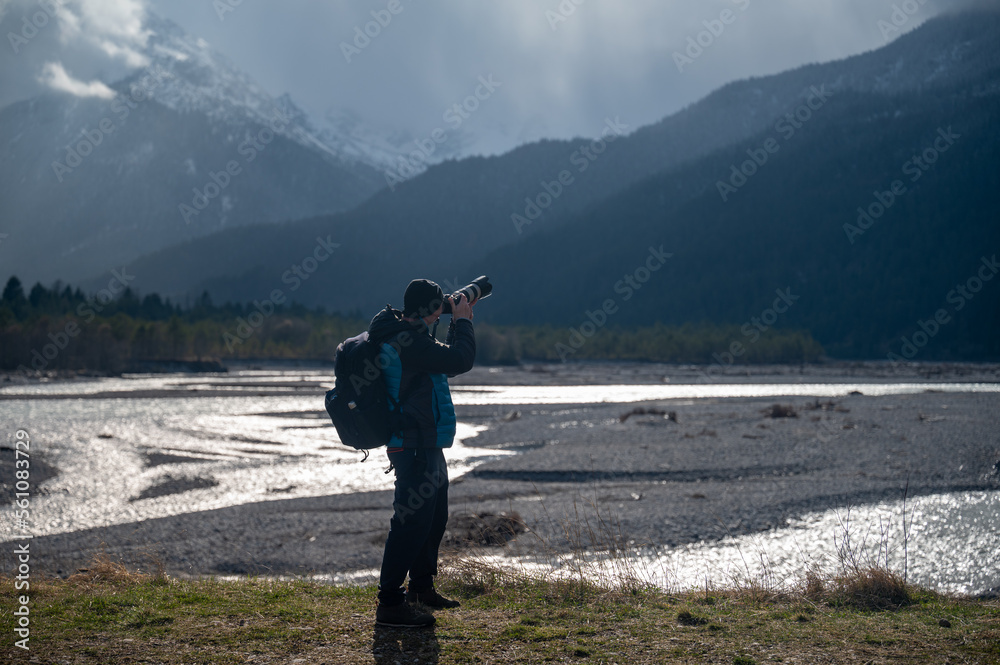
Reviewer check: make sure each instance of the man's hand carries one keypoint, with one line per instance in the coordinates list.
(461, 308)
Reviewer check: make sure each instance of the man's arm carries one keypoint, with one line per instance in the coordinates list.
(457, 357)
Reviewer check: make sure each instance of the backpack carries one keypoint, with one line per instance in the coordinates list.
(359, 404)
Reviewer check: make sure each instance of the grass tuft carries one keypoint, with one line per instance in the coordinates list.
(814, 587)
(685, 618)
(102, 569)
(872, 589)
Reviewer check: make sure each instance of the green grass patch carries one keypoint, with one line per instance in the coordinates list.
(123, 618)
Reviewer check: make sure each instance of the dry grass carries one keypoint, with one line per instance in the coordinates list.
(871, 589)
(109, 614)
(590, 605)
(103, 570)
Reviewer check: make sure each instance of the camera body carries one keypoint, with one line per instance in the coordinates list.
(478, 289)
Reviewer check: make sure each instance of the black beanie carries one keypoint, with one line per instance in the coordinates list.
(422, 298)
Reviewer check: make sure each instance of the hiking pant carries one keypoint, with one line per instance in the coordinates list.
(420, 514)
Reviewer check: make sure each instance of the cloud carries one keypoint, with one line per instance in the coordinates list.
(561, 78)
(54, 75)
(607, 58)
(115, 27)
(76, 46)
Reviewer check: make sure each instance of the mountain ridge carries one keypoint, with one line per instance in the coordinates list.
(473, 201)
(88, 184)
(460, 218)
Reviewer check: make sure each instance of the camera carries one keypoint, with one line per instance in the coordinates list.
(479, 288)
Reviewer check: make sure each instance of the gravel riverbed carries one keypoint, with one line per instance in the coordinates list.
(684, 471)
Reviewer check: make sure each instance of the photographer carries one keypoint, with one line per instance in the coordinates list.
(418, 368)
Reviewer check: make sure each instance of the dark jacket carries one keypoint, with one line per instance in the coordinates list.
(417, 366)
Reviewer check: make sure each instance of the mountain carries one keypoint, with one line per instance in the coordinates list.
(657, 185)
(346, 134)
(877, 219)
(89, 184)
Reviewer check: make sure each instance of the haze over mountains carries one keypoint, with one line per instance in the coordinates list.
(90, 183)
(558, 225)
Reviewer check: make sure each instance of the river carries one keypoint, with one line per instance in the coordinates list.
(144, 446)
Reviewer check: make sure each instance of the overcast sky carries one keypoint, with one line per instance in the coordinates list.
(561, 73)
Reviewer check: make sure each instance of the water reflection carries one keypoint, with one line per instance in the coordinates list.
(126, 453)
(316, 382)
(951, 544)
(638, 393)
(122, 460)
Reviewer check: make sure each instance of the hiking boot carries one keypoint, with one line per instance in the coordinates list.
(431, 599)
(402, 616)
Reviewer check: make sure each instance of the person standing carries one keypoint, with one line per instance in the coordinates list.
(416, 370)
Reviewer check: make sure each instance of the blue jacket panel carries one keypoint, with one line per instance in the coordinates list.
(417, 366)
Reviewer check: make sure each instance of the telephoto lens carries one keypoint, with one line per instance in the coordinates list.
(478, 289)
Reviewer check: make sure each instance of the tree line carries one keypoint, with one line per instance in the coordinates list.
(62, 328)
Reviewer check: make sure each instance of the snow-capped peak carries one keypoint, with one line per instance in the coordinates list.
(193, 77)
